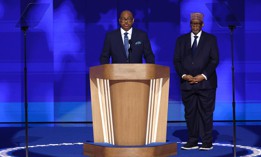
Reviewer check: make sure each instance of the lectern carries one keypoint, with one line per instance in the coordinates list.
(129, 111)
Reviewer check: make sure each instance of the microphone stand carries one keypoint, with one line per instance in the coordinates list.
(30, 17)
(231, 28)
(24, 29)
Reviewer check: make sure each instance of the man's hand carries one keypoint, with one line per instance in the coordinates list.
(193, 80)
(198, 78)
(189, 78)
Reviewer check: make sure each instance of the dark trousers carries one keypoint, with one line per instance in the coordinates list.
(199, 108)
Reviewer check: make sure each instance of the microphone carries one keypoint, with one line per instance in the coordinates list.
(130, 50)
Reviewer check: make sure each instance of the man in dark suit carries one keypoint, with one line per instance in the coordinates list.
(196, 58)
(126, 44)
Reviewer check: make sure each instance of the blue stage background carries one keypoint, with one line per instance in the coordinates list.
(69, 38)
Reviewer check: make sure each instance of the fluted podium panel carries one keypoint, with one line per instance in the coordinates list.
(129, 105)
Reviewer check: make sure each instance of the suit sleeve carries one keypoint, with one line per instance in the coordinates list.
(178, 58)
(148, 54)
(213, 59)
(105, 55)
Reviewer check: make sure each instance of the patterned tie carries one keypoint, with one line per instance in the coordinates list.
(194, 45)
(126, 43)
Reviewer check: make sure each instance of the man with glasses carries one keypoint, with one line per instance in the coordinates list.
(196, 58)
(126, 44)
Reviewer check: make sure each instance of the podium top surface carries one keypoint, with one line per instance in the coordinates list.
(129, 71)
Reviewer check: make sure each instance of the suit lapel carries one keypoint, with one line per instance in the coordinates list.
(188, 41)
(133, 36)
(121, 45)
(200, 43)
(188, 44)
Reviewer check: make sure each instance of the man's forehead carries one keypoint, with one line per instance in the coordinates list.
(126, 13)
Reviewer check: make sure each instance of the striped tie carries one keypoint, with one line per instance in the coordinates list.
(126, 43)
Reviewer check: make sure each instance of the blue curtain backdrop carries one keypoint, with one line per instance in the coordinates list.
(68, 39)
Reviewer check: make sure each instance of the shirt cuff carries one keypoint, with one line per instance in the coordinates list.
(204, 76)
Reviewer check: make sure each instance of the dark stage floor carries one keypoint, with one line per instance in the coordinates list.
(67, 140)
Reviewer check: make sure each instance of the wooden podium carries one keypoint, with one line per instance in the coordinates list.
(129, 111)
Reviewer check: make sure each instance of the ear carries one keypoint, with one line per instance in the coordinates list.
(202, 24)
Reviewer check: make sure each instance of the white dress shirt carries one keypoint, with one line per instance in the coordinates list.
(129, 34)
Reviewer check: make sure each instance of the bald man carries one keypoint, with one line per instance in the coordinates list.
(126, 44)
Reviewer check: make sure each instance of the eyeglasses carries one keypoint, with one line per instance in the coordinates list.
(195, 23)
(126, 19)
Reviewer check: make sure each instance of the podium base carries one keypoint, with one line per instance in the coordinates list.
(151, 150)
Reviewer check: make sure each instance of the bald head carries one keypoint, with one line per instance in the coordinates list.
(126, 20)
(126, 12)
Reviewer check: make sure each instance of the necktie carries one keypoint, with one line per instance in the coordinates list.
(194, 45)
(126, 43)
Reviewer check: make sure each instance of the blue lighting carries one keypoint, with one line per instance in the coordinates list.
(67, 40)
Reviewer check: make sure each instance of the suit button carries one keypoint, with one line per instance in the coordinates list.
(192, 63)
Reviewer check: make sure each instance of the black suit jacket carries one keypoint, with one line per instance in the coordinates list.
(113, 48)
(204, 61)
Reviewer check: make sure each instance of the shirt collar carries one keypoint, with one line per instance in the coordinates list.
(129, 31)
(199, 34)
